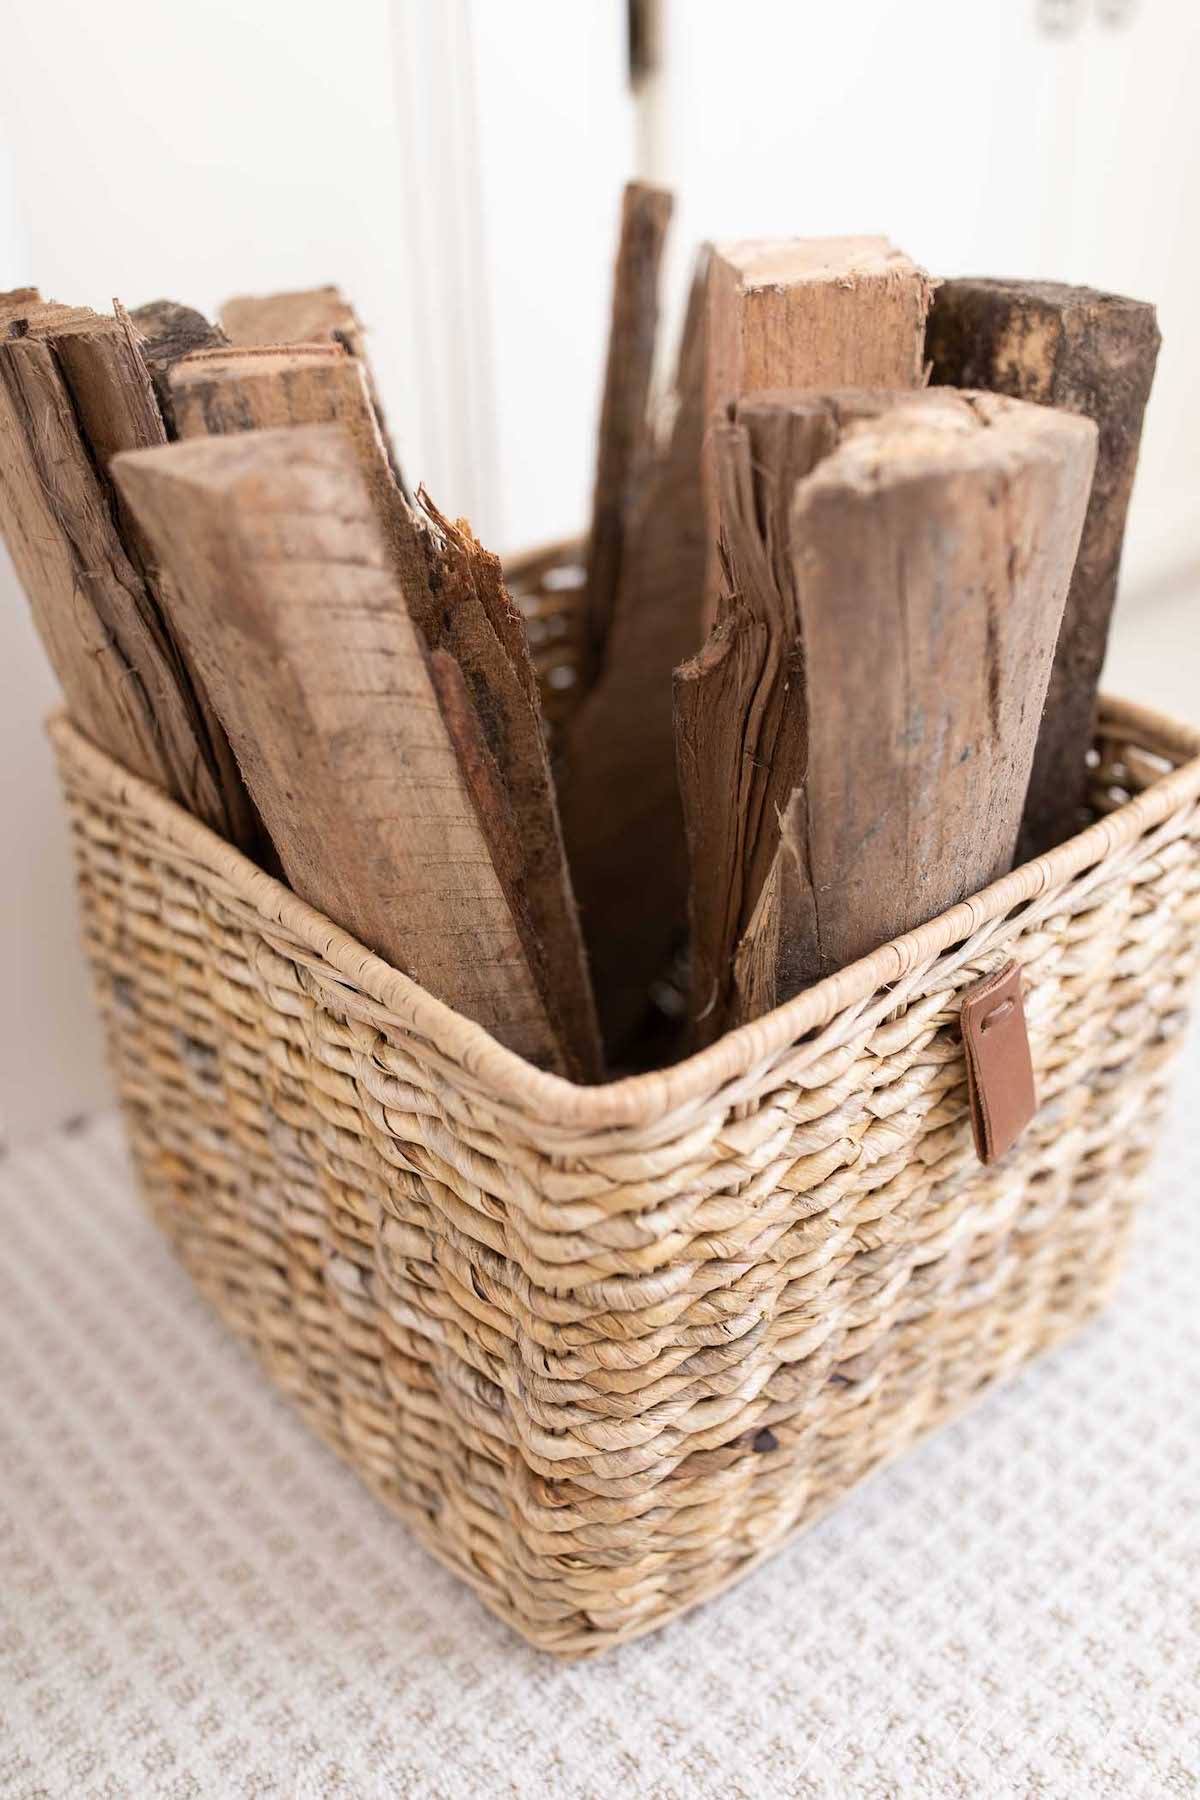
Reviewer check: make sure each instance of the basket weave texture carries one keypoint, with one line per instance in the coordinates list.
(606, 1348)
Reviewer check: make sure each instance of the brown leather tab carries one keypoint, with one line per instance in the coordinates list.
(999, 1066)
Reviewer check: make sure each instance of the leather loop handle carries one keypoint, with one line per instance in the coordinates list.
(999, 1065)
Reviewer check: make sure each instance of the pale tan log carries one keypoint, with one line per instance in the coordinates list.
(289, 601)
(455, 596)
(308, 316)
(214, 392)
(813, 312)
(856, 740)
(807, 313)
(1089, 353)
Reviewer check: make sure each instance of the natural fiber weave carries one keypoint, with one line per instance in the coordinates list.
(604, 1348)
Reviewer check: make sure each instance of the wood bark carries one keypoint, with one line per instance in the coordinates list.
(103, 364)
(166, 333)
(289, 600)
(68, 559)
(1090, 353)
(624, 425)
(856, 738)
(739, 719)
(473, 621)
(309, 316)
(771, 313)
(100, 623)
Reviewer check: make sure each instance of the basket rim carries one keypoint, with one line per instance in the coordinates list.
(639, 1099)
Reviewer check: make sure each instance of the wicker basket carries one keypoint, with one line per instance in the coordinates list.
(606, 1348)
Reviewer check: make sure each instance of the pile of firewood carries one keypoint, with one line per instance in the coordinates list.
(838, 645)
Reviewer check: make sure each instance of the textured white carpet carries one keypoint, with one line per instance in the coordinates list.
(197, 1600)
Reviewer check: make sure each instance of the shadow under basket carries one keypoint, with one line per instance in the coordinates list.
(606, 1348)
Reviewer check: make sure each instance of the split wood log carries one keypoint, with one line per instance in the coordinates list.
(474, 622)
(101, 626)
(807, 313)
(309, 316)
(112, 367)
(99, 358)
(855, 739)
(767, 313)
(624, 423)
(1089, 353)
(214, 392)
(289, 600)
(455, 595)
(103, 364)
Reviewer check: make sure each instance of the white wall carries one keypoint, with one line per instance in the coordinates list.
(982, 145)
(190, 151)
(556, 144)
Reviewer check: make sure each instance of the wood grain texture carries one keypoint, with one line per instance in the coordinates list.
(739, 728)
(856, 739)
(214, 392)
(623, 439)
(100, 623)
(455, 596)
(38, 318)
(807, 313)
(309, 316)
(1090, 353)
(767, 313)
(291, 606)
(60, 537)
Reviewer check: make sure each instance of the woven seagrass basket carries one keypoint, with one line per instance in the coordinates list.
(606, 1348)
